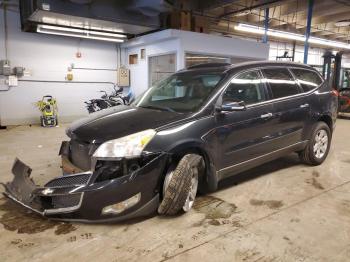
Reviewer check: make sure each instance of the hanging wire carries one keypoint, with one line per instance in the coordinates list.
(5, 30)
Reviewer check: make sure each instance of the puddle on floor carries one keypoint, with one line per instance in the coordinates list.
(18, 219)
(64, 228)
(314, 182)
(273, 204)
(315, 173)
(213, 207)
(217, 212)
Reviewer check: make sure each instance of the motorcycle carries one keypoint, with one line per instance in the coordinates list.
(115, 99)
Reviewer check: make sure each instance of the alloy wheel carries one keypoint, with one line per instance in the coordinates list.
(321, 144)
(192, 193)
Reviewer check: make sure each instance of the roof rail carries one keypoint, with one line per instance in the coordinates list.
(204, 65)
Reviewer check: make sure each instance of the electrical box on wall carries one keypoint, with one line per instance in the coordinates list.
(123, 77)
(5, 68)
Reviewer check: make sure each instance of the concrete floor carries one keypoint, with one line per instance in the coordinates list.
(281, 211)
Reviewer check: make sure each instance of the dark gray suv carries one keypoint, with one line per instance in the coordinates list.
(182, 135)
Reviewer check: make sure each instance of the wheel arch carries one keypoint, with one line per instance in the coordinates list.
(209, 180)
(328, 120)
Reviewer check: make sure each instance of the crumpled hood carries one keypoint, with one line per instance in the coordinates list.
(119, 121)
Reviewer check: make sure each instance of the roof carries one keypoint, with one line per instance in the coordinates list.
(225, 67)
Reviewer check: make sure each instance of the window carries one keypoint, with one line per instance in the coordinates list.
(307, 79)
(181, 92)
(195, 59)
(143, 53)
(246, 88)
(169, 89)
(281, 82)
(161, 67)
(133, 59)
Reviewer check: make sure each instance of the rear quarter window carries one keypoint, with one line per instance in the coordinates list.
(307, 79)
(281, 82)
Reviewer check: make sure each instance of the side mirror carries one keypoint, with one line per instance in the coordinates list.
(231, 106)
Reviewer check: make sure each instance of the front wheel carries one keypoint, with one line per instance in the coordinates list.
(318, 146)
(180, 185)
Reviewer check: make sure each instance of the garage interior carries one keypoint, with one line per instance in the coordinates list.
(79, 50)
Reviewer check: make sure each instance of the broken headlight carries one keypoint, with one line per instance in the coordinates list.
(122, 206)
(128, 146)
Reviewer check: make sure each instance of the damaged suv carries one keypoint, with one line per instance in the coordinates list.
(183, 135)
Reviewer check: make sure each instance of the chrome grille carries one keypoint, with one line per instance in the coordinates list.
(69, 180)
(65, 201)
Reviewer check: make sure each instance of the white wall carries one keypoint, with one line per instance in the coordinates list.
(48, 57)
(139, 76)
(222, 46)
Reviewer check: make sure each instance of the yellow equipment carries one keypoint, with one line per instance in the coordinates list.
(48, 107)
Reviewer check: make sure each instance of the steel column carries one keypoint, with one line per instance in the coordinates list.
(266, 25)
(308, 29)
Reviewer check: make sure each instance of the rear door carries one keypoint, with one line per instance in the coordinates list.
(309, 81)
(291, 109)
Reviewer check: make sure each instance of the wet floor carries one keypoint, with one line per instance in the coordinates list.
(281, 211)
(22, 221)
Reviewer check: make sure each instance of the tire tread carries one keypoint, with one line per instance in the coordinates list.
(179, 186)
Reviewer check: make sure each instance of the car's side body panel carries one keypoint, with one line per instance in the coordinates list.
(237, 141)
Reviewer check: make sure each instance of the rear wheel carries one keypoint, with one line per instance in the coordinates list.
(180, 186)
(317, 149)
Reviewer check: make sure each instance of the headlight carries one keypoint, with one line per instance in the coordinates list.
(128, 146)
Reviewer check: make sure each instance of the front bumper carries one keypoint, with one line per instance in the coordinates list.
(77, 197)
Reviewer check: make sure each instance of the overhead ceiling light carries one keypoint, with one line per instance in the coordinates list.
(261, 31)
(81, 33)
(325, 42)
(342, 23)
(205, 57)
(292, 36)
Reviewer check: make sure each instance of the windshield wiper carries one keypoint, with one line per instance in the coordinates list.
(159, 108)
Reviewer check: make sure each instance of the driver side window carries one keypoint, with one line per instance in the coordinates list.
(246, 87)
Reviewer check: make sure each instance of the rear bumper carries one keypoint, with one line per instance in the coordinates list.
(76, 197)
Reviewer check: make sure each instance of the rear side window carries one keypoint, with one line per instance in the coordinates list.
(307, 79)
(281, 82)
(246, 87)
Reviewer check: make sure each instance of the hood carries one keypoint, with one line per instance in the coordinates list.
(119, 121)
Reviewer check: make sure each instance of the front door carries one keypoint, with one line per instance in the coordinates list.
(243, 135)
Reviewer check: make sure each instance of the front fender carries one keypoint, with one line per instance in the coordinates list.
(210, 183)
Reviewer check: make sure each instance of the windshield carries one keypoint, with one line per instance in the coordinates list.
(181, 92)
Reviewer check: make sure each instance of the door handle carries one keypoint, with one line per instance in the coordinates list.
(304, 106)
(268, 115)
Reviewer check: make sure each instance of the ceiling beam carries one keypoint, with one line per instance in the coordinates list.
(329, 18)
(258, 5)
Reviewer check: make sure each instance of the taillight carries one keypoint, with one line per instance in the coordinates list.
(334, 93)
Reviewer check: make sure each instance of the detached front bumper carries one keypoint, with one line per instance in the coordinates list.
(82, 196)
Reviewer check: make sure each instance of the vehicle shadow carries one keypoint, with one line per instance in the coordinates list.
(265, 169)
